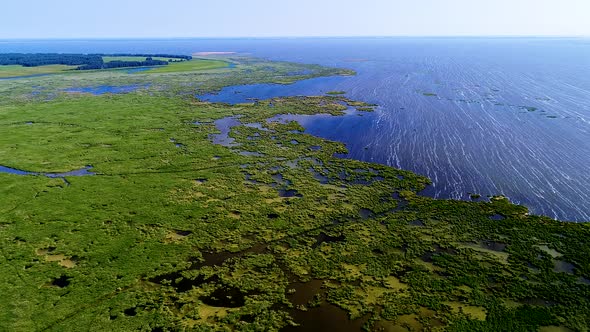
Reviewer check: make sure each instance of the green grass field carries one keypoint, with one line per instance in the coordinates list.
(193, 65)
(15, 71)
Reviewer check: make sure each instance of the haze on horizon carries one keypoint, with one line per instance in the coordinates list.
(311, 18)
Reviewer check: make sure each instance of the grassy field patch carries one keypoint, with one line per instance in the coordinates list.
(16, 70)
(188, 66)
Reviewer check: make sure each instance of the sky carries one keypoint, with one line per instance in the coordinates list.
(292, 18)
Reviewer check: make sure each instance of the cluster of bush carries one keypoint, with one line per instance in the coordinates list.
(122, 64)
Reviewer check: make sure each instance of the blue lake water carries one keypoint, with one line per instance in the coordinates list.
(79, 172)
(138, 70)
(476, 115)
(104, 89)
(21, 77)
(244, 93)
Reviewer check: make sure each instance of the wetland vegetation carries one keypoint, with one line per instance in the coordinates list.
(271, 231)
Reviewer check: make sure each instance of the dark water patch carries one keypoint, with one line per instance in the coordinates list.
(366, 213)
(304, 292)
(183, 233)
(130, 312)
(539, 302)
(218, 258)
(436, 250)
(225, 297)
(214, 259)
(493, 245)
(378, 251)
(295, 163)
(532, 267)
(563, 267)
(292, 163)
(181, 283)
(342, 175)
(277, 178)
(248, 177)
(294, 142)
(319, 176)
(497, 216)
(201, 180)
(401, 205)
(315, 148)
(61, 282)
(49, 249)
(104, 89)
(288, 193)
(366, 181)
(478, 198)
(325, 238)
(326, 317)
(251, 154)
(417, 223)
(584, 280)
(272, 216)
(362, 182)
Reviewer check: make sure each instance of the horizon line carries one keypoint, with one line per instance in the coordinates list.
(291, 37)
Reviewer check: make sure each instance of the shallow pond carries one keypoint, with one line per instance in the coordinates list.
(104, 89)
(138, 70)
(79, 172)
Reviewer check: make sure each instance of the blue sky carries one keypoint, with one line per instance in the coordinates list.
(267, 18)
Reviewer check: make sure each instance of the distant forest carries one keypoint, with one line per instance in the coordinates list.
(84, 61)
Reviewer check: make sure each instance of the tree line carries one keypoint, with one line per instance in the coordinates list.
(170, 56)
(84, 61)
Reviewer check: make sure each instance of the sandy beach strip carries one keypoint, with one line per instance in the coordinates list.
(212, 53)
